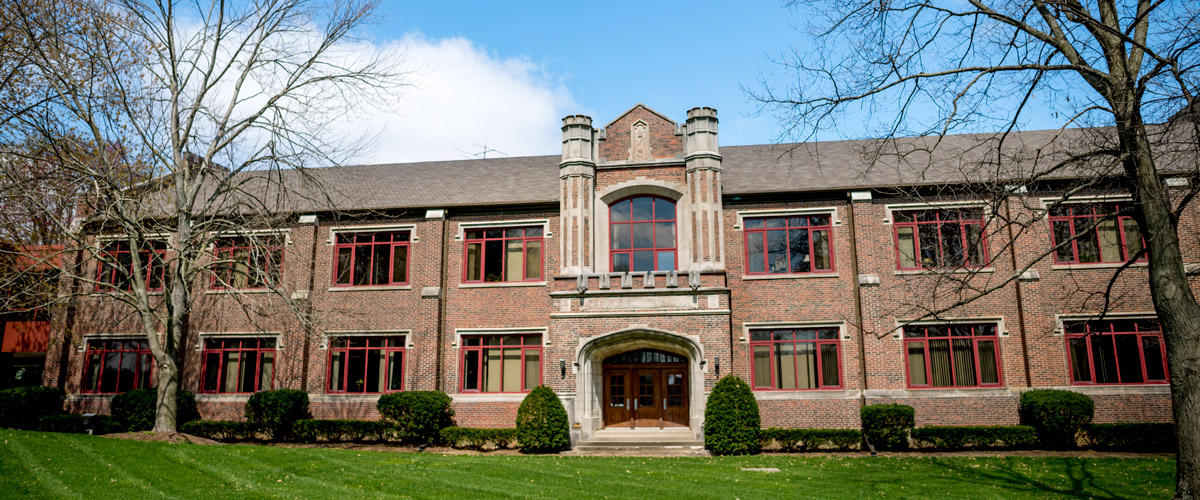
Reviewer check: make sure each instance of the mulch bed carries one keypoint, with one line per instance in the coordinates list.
(162, 437)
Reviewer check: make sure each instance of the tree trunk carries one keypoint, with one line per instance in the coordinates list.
(1174, 302)
(168, 387)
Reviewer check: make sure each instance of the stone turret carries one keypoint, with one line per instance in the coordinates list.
(703, 169)
(576, 178)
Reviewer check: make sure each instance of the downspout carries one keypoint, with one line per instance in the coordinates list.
(1012, 253)
(858, 310)
(439, 384)
(308, 306)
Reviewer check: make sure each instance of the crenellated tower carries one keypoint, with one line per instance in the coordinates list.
(703, 173)
(576, 177)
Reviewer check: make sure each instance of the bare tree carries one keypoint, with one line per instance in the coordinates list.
(210, 116)
(929, 69)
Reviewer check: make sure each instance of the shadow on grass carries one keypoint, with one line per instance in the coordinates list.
(1081, 481)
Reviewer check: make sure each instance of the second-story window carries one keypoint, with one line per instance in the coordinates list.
(782, 245)
(1093, 233)
(940, 238)
(365, 259)
(502, 255)
(642, 236)
(247, 262)
(116, 267)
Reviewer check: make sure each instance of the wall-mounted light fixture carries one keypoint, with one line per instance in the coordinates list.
(717, 360)
(562, 368)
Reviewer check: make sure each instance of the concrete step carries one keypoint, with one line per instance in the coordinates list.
(639, 450)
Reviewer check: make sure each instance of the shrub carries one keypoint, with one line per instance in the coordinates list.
(731, 420)
(971, 437)
(276, 412)
(63, 422)
(542, 423)
(342, 430)
(137, 409)
(104, 424)
(1058, 416)
(221, 430)
(791, 440)
(1133, 437)
(418, 416)
(22, 407)
(478, 439)
(886, 427)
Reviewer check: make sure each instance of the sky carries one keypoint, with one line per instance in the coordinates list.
(503, 74)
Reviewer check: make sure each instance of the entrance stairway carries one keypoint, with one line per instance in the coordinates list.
(641, 443)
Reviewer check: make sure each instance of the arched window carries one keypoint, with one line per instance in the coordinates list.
(642, 234)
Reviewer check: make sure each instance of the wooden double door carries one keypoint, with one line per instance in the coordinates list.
(646, 396)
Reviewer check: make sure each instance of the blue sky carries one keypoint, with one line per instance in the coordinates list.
(479, 65)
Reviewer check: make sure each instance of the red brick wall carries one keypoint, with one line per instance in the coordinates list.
(663, 141)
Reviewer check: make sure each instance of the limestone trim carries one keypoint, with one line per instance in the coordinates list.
(463, 227)
(202, 336)
(408, 342)
(843, 331)
(803, 395)
(891, 209)
(487, 398)
(538, 330)
(107, 336)
(641, 185)
(376, 228)
(1001, 328)
(689, 312)
(1045, 203)
(1059, 319)
(742, 215)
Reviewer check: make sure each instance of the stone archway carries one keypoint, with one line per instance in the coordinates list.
(589, 380)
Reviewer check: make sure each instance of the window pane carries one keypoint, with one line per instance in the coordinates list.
(1089, 250)
(928, 236)
(989, 371)
(754, 252)
(1110, 241)
(643, 260)
(471, 369)
(776, 222)
(620, 237)
(620, 211)
(754, 223)
(621, 263)
(514, 260)
(777, 246)
(266, 376)
(664, 235)
(399, 264)
(494, 233)
(1151, 347)
(964, 363)
(762, 366)
(666, 261)
(1080, 372)
(362, 264)
(512, 370)
(1133, 238)
(939, 363)
(830, 373)
(798, 251)
(1104, 360)
(395, 370)
(806, 365)
(230, 369)
(533, 368)
(916, 364)
(337, 361)
(112, 370)
(91, 377)
(908, 253)
(952, 245)
(664, 209)
(143, 374)
(249, 373)
(643, 235)
(212, 371)
(514, 233)
(785, 366)
(1062, 236)
(381, 265)
(492, 370)
(975, 255)
(375, 371)
(493, 260)
(533, 260)
(343, 266)
(643, 208)
(474, 262)
(128, 371)
(533, 231)
(1130, 359)
(822, 257)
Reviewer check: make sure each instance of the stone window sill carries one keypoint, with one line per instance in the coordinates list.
(1097, 265)
(377, 288)
(970, 270)
(502, 284)
(753, 277)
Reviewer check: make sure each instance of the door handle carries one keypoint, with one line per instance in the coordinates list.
(626, 403)
(664, 403)
(635, 403)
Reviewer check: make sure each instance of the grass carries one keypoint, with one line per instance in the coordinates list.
(43, 465)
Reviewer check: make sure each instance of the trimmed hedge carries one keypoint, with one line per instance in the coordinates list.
(418, 416)
(792, 440)
(472, 438)
(731, 421)
(1139, 437)
(1058, 416)
(22, 407)
(137, 409)
(275, 412)
(886, 426)
(542, 423)
(221, 430)
(975, 437)
(78, 424)
(310, 430)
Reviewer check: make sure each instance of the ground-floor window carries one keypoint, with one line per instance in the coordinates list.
(366, 364)
(799, 358)
(959, 355)
(115, 366)
(1126, 351)
(238, 365)
(501, 363)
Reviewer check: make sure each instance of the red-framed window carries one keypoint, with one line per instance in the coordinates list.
(1116, 352)
(796, 359)
(366, 365)
(502, 255)
(115, 269)
(501, 363)
(785, 245)
(116, 366)
(247, 262)
(238, 365)
(939, 238)
(371, 259)
(1093, 233)
(642, 234)
(952, 355)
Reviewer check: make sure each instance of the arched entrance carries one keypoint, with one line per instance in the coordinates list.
(645, 388)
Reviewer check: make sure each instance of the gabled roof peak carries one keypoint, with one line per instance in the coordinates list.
(634, 107)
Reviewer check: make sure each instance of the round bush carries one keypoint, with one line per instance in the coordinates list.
(136, 410)
(23, 407)
(1057, 416)
(731, 421)
(275, 412)
(419, 416)
(542, 423)
(887, 427)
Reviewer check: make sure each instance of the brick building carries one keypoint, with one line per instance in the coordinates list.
(645, 262)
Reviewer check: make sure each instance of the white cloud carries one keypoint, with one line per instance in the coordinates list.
(463, 97)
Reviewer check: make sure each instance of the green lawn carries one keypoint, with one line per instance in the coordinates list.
(41, 465)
